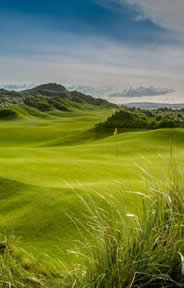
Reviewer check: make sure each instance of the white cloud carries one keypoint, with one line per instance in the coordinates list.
(166, 13)
(17, 86)
(103, 66)
(90, 90)
(142, 91)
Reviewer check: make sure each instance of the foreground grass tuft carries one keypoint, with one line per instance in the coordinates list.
(19, 269)
(126, 249)
(136, 251)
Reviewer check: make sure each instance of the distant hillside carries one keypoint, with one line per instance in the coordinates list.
(150, 105)
(50, 96)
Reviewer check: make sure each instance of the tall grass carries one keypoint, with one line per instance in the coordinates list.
(18, 269)
(131, 250)
(125, 249)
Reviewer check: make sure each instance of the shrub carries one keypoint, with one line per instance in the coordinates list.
(55, 102)
(126, 119)
(168, 124)
(142, 119)
(7, 114)
(37, 102)
(159, 117)
(148, 113)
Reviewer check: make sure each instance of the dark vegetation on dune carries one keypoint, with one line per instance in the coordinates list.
(8, 114)
(50, 96)
(132, 118)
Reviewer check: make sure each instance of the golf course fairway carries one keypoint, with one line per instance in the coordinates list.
(47, 161)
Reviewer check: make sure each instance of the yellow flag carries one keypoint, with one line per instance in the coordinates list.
(116, 132)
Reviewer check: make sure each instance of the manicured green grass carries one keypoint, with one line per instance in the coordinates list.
(117, 248)
(47, 160)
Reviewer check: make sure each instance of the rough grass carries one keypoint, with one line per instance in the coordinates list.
(124, 250)
(135, 251)
(20, 269)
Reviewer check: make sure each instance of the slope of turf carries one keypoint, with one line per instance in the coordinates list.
(47, 160)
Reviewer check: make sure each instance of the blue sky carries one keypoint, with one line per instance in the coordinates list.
(45, 20)
(100, 44)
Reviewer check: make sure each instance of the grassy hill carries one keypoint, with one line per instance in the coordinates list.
(48, 158)
(132, 118)
(46, 161)
(49, 97)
